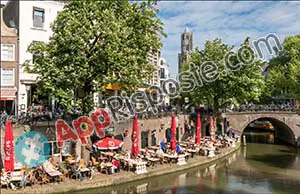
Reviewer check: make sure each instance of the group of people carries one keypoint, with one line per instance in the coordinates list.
(35, 114)
(270, 107)
(3, 117)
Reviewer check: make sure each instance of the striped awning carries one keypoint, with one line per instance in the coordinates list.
(7, 94)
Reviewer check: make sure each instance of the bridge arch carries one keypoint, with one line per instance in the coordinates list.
(287, 122)
(283, 131)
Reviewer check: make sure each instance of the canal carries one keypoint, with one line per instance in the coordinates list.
(256, 168)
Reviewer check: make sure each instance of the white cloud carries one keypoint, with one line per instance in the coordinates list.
(230, 21)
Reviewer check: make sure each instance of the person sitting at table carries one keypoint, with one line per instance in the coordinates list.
(102, 166)
(5, 179)
(220, 137)
(75, 169)
(115, 166)
(147, 153)
(191, 140)
(53, 162)
(163, 145)
(91, 168)
(173, 153)
(177, 147)
(159, 152)
(77, 158)
(127, 155)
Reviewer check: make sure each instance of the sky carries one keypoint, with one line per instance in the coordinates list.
(232, 21)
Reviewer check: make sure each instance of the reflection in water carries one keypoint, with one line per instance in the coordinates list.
(257, 168)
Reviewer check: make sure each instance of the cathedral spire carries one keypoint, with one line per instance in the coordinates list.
(186, 30)
(186, 47)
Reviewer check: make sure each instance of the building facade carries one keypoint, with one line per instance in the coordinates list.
(186, 47)
(32, 19)
(153, 58)
(9, 69)
(163, 76)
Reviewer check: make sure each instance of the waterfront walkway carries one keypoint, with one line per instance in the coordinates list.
(121, 177)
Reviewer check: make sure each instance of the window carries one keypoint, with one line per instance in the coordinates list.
(144, 137)
(7, 52)
(34, 55)
(7, 77)
(162, 73)
(38, 17)
(53, 148)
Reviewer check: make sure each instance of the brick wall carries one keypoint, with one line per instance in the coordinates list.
(159, 125)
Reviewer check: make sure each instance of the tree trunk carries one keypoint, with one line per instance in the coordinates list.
(88, 99)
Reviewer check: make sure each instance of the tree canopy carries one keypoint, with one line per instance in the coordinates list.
(95, 43)
(241, 83)
(283, 79)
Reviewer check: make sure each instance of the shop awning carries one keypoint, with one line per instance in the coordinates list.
(7, 95)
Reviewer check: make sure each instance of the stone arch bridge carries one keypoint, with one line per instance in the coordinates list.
(286, 123)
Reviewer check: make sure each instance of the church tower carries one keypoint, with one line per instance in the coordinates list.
(186, 47)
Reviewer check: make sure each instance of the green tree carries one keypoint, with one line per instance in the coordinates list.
(95, 43)
(283, 79)
(232, 82)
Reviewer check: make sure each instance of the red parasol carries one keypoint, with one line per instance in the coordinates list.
(173, 131)
(198, 131)
(9, 148)
(135, 137)
(108, 143)
(212, 128)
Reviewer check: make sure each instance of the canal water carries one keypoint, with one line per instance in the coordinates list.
(256, 168)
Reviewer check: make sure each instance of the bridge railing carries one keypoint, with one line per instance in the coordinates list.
(264, 108)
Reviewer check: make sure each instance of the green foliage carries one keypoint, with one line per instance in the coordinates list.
(95, 43)
(234, 87)
(283, 78)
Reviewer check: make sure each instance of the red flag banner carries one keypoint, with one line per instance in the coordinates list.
(9, 147)
(135, 137)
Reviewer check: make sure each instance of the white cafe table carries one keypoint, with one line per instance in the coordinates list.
(140, 167)
(84, 169)
(16, 176)
(181, 159)
(153, 160)
(107, 153)
(211, 152)
(154, 147)
(54, 173)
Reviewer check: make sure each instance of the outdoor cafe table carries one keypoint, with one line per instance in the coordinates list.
(150, 151)
(102, 158)
(140, 167)
(16, 176)
(84, 170)
(170, 157)
(209, 151)
(192, 151)
(183, 144)
(219, 145)
(153, 161)
(205, 150)
(154, 147)
(107, 166)
(107, 153)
